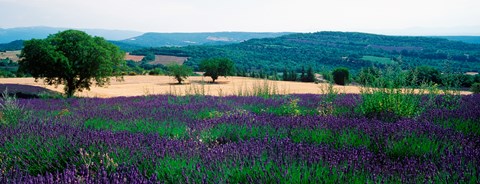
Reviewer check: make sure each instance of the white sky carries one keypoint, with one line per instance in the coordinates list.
(419, 17)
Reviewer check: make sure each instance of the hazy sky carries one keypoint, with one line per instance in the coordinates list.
(379, 16)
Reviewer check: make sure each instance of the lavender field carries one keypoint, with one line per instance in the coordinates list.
(205, 139)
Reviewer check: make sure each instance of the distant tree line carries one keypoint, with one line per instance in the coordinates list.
(330, 50)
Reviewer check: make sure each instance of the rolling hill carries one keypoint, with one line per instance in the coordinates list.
(26, 33)
(14, 45)
(326, 50)
(466, 39)
(186, 39)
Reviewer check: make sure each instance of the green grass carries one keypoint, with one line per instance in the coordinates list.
(346, 138)
(169, 129)
(290, 108)
(466, 126)
(417, 146)
(380, 60)
(203, 114)
(35, 154)
(315, 136)
(389, 104)
(234, 133)
(258, 170)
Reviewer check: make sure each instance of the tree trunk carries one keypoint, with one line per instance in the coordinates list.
(70, 88)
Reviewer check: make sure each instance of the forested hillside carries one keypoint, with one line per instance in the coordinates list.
(15, 45)
(326, 50)
(185, 39)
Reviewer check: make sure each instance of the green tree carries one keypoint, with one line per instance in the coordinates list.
(475, 88)
(285, 75)
(341, 76)
(179, 72)
(309, 76)
(216, 67)
(368, 76)
(72, 58)
(426, 74)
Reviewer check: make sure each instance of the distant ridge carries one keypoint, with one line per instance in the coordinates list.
(327, 50)
(466, 39)
(27, 33)
(208, 38)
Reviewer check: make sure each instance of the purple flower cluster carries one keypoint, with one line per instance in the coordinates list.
(396, 151)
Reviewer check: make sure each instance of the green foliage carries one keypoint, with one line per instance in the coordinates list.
(156, 71)
(223, 133)
(475, 88)
(308, 76)
(416, 145)
(11, 112)
(148, 57)
(179, 72)
(426, 74)
(315, 136)
(290, 75)
(466, 126)
(389, 104)
(166, 128)
(73, 58)
(336, 139)
(341, 76)
(36, 154)
(216, 67)
(381, 60)
(329, 50)
(368, 76)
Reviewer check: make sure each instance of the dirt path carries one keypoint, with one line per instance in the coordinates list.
(149, 85)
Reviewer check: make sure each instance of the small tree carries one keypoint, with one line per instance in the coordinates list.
(340, 76)
(73, 58)
(427, 74)
(476, 88)
(179, 72)
(368, 76)
(310, 75)
(216, 67)
(285, 75)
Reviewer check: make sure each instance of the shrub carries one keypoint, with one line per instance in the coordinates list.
(11, 111)
(426, 74)
(156, 71)
(390, 104)
(340, 76)
(476, 88)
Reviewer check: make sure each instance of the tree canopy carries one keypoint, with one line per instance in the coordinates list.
(216, 67)
(72, 58)
(341, 76)
(330, 50)
(179, 72)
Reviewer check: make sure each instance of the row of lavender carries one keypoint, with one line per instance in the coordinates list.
(202, 139)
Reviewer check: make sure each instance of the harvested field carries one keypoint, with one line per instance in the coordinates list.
(133, 57)
(13, 55)
(150, 85)
(164, 59)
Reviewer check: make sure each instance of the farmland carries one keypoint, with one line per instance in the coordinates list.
(12, 55)
(308, 138)
(157, 85)
(164, 60)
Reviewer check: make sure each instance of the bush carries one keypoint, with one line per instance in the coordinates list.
(368, 76)
(389, 104)
(11, 111)
(476, 88)
(426, 74)
(340, 76)
(156, 71)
